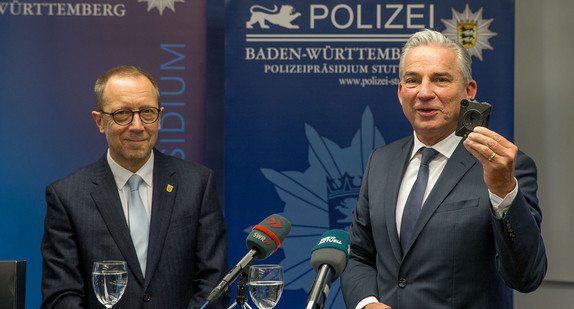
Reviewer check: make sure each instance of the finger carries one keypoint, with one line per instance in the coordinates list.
(497, 138)
(494, 141)
(482, 147)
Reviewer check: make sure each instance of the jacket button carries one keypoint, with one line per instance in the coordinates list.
(402, 282)
(146, 297)
(513, 237)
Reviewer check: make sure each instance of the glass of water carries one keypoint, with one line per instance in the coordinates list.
(109, 279)
(265, 285)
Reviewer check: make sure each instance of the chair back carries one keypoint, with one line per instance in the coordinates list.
(12, 284)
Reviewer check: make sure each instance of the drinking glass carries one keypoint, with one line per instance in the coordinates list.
(109, 279)
(265, 285)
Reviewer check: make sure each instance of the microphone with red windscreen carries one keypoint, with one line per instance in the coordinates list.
(264, 239)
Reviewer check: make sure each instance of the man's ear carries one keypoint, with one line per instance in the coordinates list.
(98, 120)
(471, 89)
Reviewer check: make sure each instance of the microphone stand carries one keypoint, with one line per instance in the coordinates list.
(320, 288)
(241, 297)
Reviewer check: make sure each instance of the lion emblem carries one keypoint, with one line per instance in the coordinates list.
(279, 16)
(346, 208)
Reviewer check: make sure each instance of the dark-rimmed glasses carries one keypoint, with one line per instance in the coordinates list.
(124, 117)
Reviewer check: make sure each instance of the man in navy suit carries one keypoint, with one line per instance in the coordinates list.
(87, 215)
(477, 235)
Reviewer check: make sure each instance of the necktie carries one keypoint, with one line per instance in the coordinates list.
(139, 225)
(415, 198)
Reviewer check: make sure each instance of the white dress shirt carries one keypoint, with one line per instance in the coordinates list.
(122, 175)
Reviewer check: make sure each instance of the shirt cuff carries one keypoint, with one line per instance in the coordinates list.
(366, 301)
(501, 205)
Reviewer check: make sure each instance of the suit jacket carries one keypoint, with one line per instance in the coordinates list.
(187, 251)
(460, 255)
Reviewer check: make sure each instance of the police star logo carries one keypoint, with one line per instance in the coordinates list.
(470, 30)
(321, 198)
(160, 5)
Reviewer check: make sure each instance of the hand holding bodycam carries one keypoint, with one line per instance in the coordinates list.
(497, 156)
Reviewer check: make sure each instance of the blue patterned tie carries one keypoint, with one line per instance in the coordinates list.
(139, 224)
(415, 199)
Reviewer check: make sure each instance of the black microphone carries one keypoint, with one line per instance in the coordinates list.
(329, 259)
(264, 239)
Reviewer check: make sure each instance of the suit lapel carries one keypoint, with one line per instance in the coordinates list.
(105, 195)
(456, 167)
(165, 187)
(394, 178)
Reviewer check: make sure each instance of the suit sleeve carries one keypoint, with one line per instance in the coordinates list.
(359, 280)
(62, 283)
(521, 257)
(211, 251)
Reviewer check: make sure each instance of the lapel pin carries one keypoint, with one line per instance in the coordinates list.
(169, 188)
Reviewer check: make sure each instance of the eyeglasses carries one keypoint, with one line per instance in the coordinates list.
(124, 117)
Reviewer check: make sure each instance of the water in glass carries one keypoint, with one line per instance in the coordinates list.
(110, 279)
(265, 285)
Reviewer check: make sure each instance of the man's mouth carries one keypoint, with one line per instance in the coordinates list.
(426, 110)
(135, 140)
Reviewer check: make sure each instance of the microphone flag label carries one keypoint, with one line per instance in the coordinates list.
(274, 223)
(267, 232)
(337, 239)
(266, 237)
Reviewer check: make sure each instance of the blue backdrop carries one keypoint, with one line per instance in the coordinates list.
(311, 89)
(51, 53)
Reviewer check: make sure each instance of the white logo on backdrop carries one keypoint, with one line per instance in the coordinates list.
(321, 198)
(160, 5)
(470, 30)
(281, 16)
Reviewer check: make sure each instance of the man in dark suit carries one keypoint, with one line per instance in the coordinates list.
(184, 254)
(477, 232)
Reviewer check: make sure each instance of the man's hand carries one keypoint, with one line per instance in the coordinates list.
(497, 156)
(376, 306)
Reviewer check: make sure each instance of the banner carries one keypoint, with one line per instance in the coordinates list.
(311, 89)
(51, 53)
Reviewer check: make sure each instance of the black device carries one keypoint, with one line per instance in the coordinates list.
(472, 114)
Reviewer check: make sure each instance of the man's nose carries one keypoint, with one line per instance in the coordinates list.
(426, 89)
(137, 122)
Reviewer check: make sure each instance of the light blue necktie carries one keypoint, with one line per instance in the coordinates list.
(415, 199)
(139, 224)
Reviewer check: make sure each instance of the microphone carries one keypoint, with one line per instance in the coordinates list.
(329, 259)
(264, 239)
